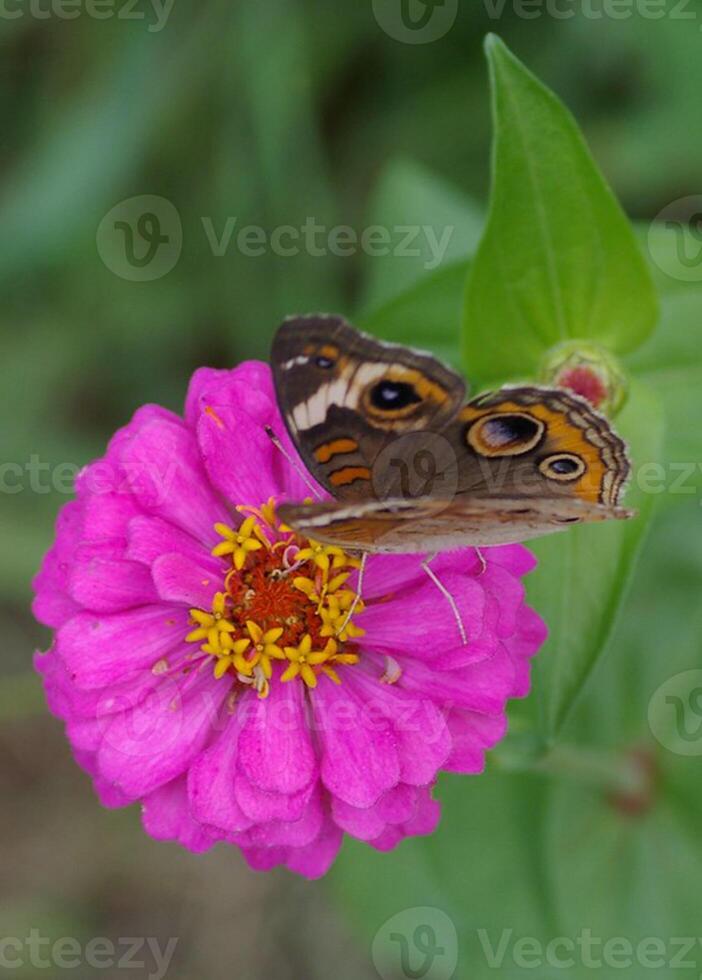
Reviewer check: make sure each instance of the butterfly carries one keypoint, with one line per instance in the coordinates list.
(413, 466)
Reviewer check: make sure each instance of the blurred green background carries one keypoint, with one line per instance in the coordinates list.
(271, 113)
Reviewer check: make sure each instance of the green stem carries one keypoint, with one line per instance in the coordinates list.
(618, 772)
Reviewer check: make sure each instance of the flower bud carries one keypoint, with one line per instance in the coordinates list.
(589, 371)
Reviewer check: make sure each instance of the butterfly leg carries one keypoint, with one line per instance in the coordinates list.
(447, 595)
(295, 465)
(481, 559)
(359, 594)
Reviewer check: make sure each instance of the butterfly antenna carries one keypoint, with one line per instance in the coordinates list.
(359, 594)
(293, 462)
(449, 598)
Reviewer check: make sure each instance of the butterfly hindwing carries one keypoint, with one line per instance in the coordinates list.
(538, 442)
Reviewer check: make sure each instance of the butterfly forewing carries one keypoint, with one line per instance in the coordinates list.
(347, 398)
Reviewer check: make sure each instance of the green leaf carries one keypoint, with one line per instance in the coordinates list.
(580, 583)
(448, 228)
(558, 259)
(425, 315)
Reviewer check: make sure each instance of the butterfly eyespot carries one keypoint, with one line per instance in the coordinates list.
(563, 467)
(505, 434)
(393, 395)
(324, 362)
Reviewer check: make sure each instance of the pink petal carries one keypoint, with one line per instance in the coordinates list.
(99, 650)
(423, 822)
(471, 735)
(296, 833)
(420, 622)
(106, 516)
(389, 574)
(238, 454)
(482, 687)
(399, 804)
(150, 537)
(265, 858)
(479, 648)
(315, 860)
(52, 605)
(363, 823)
(212, 386)
(108, 795)
(106, 586)
(168, 479)
(422, 739)
(312, 861)
(186, 581)
(359, 752)
(70, 702)
(152, 744)
(508, 594)
(530, 636)
(230, 416)
(514, 557)
(166, 816)
(275, 751)
(211, 783)
(263, 807)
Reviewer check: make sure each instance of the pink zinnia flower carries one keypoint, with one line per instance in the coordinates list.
(204, 665)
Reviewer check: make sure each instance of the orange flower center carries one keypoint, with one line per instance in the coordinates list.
(283, 598)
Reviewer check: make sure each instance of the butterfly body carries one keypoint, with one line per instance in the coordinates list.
(414, 467)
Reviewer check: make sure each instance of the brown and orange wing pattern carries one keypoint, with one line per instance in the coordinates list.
(346, 396)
